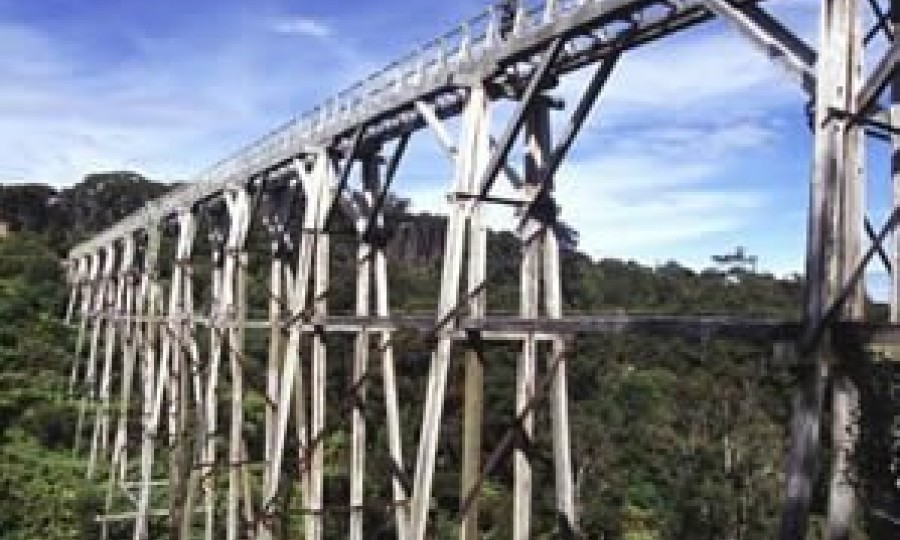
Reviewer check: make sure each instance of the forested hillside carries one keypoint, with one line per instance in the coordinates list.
(673, 438)
(68, 215)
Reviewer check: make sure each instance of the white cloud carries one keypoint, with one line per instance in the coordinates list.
(655, 199)
(642, 205)
(171, 109)
(301, 26)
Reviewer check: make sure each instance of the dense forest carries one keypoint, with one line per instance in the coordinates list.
(673, 438)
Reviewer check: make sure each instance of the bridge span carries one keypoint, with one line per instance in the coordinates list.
(142, 340)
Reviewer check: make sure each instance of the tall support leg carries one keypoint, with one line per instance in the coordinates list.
(238, 203)
(364, 260)
(473, 398)
(833, 167)
(292, 383)
(358, 421)
(392, 409)
(74, 273)
(211, 388)
(317, 408)
(92, 270)
(102, 319)
(895, 174)
(473, 413)
(122, 314)
(169, 378)
(276, 350)
(148, 375)
(193, 418)
(540, 263)
(94, 322)
(182, 360)
(143, 305)
(559, 393)
(537, 149)
(466, 175)
(850, 219)
(114, 333)
(277, 205)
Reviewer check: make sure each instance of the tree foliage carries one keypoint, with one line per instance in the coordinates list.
(672, 438)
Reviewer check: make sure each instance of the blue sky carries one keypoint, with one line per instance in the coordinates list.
(699, 143)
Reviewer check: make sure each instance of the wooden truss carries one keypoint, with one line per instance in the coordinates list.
(142, 340)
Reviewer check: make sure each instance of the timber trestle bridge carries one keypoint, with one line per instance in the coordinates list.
(142, 340)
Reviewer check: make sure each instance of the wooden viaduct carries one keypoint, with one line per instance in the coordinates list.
(141, 339)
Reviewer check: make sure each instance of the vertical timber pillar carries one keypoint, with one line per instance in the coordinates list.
(388, 373)
(183, 362)
(477, 148)
(318, 364)
(464, 217)
(365, 259)
(277, 201)
(850, 218)
(149, 352)
(217, 225)
(114, 332)
(123, 319)
(232, 326)
(313, 179)
(835, 219)
(101, 321)
(89, 282)
(895, 173)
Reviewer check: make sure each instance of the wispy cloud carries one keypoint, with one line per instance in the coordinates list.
(301, 26)
(171, 109)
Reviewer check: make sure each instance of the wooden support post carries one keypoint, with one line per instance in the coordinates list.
(101, 322)
(895, 174)
(276, 347)
(473, 412)
(537, 147)
(318, 365)
(277, 207)
(182, 360)
(540, 262)
(364, 258)
(170, 377)
(292, 385)
(392, 410)
(148, 375)
(559, 392)
(478, 148)
(123, 310)
(835, 199)
(115, 331)
(233, 316)
(468, 179)
(849, 228)
(73, 271)
(372, 261)
(91, 265)
(209, 454)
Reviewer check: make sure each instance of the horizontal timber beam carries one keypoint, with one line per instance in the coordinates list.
(511, 327)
